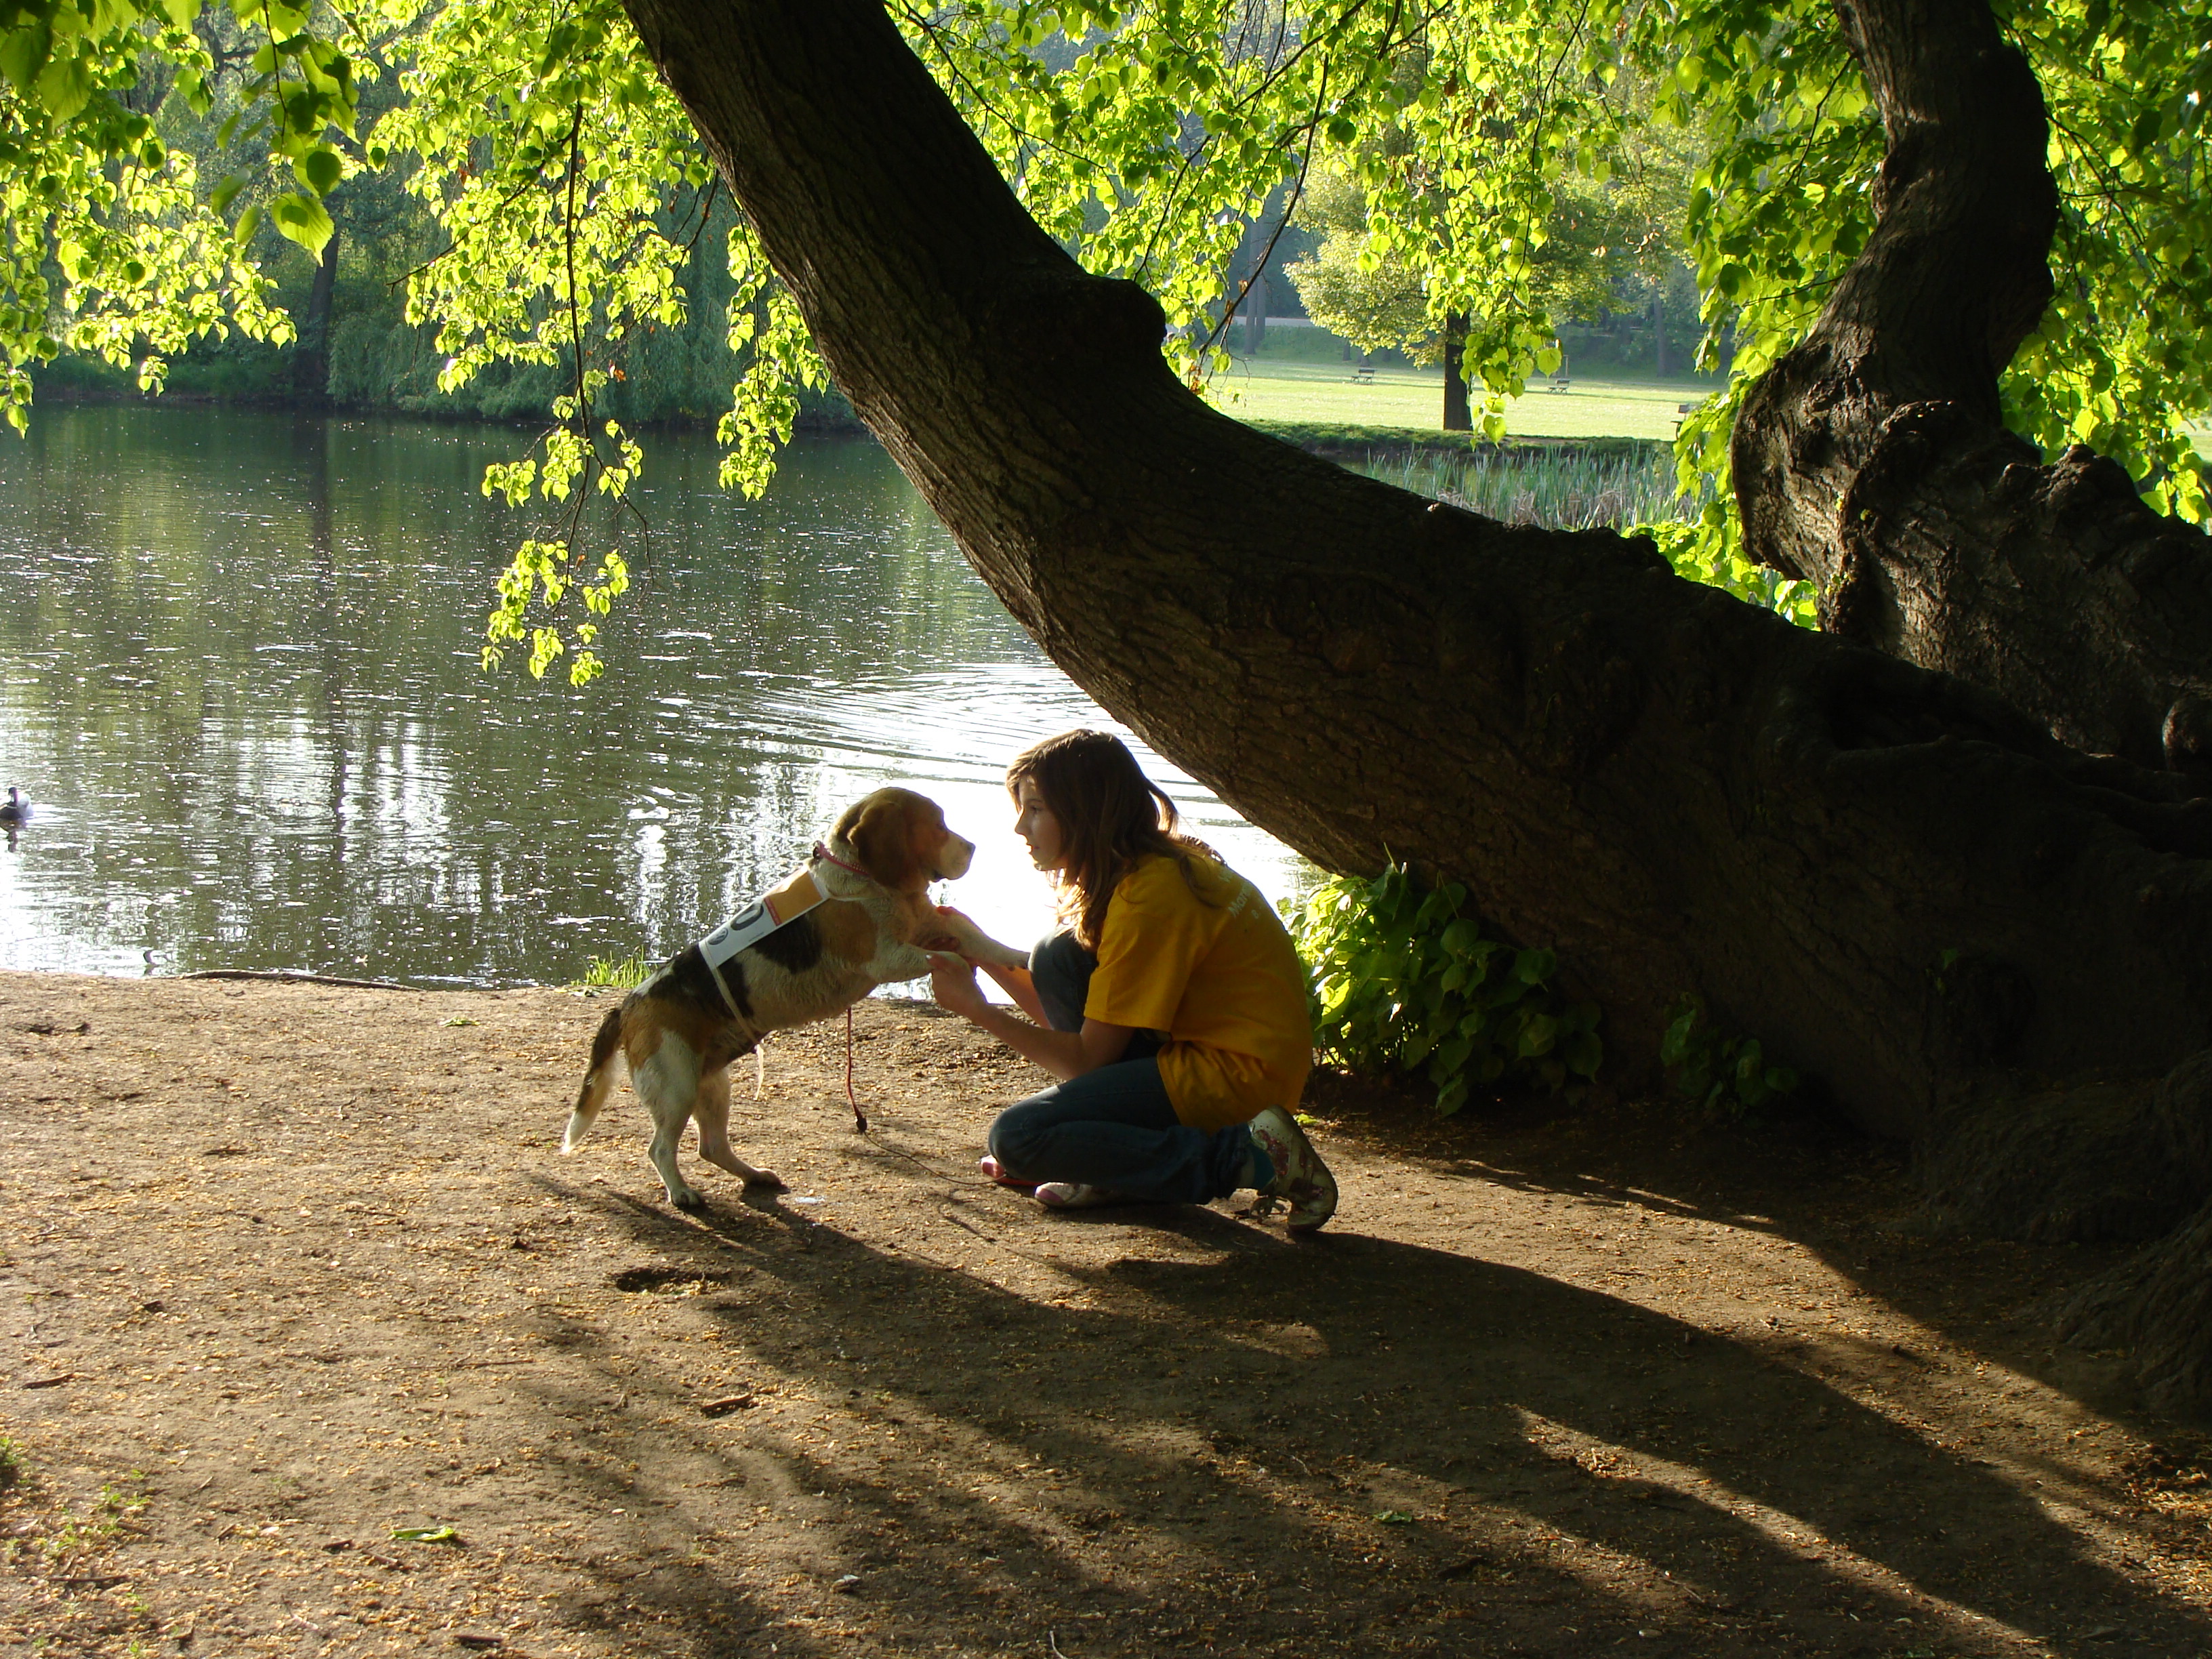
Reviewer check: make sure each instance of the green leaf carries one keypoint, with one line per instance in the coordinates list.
(226, 192)
(320, 170)
(302, 218)
(65, 85)
(23, 53)
(426, 1535)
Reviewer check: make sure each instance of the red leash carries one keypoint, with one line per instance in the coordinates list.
(859, 1118)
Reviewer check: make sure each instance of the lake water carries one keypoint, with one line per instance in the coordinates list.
(238, 683)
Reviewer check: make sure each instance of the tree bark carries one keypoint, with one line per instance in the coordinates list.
(1874, 460)
(1458, 417)
(1906, 888)
(311, 358)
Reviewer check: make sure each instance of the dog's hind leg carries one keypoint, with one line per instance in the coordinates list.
(667, 1080)
(712, 1110)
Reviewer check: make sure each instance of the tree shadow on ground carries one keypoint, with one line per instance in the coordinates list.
(1219, 1441)
(1797, 1173)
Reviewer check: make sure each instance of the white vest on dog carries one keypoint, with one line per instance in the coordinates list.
(778, 909)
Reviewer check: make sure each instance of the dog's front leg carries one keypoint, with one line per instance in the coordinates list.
(893, 960)
(711, 1111)
(973, 942)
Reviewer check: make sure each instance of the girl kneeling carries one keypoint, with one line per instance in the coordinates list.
(1171, 1005)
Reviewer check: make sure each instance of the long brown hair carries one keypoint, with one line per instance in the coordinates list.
(1110, 816)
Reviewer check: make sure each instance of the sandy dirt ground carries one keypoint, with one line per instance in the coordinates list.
(312, 1343)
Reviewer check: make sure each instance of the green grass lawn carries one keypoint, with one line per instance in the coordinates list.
(1270, 389)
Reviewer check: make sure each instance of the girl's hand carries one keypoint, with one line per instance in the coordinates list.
(952, 983)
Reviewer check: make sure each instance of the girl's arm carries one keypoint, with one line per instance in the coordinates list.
(1066, 1054)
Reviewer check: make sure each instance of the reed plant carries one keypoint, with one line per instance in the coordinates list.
(1630, 489)
(1558, 487)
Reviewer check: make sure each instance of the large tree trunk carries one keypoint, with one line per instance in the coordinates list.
(1874, 460)
(1458, 416)
(311, 356)
(1907, 889)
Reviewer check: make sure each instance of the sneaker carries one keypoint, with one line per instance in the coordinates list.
(1302, 1181)
(995, 1170)
(1077, 1195)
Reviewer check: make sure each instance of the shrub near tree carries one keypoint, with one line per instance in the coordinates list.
(1973, 910)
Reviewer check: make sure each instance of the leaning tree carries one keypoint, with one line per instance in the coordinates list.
(1948, 857)
(1976, 937)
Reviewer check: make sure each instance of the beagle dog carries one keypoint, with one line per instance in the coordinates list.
(859, 916)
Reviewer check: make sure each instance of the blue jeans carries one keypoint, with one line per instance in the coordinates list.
(1114, 1126)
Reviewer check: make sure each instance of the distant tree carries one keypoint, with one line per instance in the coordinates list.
(1376, 302)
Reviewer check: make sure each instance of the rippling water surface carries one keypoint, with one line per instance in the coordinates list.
(239, 683)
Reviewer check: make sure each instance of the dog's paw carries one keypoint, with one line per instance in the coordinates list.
(766, 1180)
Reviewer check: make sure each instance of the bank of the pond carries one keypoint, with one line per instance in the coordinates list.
(1342, 440)
(320, 1344)
(829, 415)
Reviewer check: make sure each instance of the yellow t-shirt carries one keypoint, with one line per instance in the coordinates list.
(1215, 971)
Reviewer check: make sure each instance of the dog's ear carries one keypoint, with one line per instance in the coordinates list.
(880, 831)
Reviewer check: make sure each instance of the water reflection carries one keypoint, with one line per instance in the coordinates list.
(238, 678)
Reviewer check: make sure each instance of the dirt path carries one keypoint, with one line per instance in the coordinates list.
(286, 1269)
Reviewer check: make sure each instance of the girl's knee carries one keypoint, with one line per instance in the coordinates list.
(1061, 970)
(1060, 952)
(1010, 1134)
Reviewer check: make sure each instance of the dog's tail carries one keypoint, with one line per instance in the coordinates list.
(606, 1049)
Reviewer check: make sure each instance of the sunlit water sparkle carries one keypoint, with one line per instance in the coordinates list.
(240, 686)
